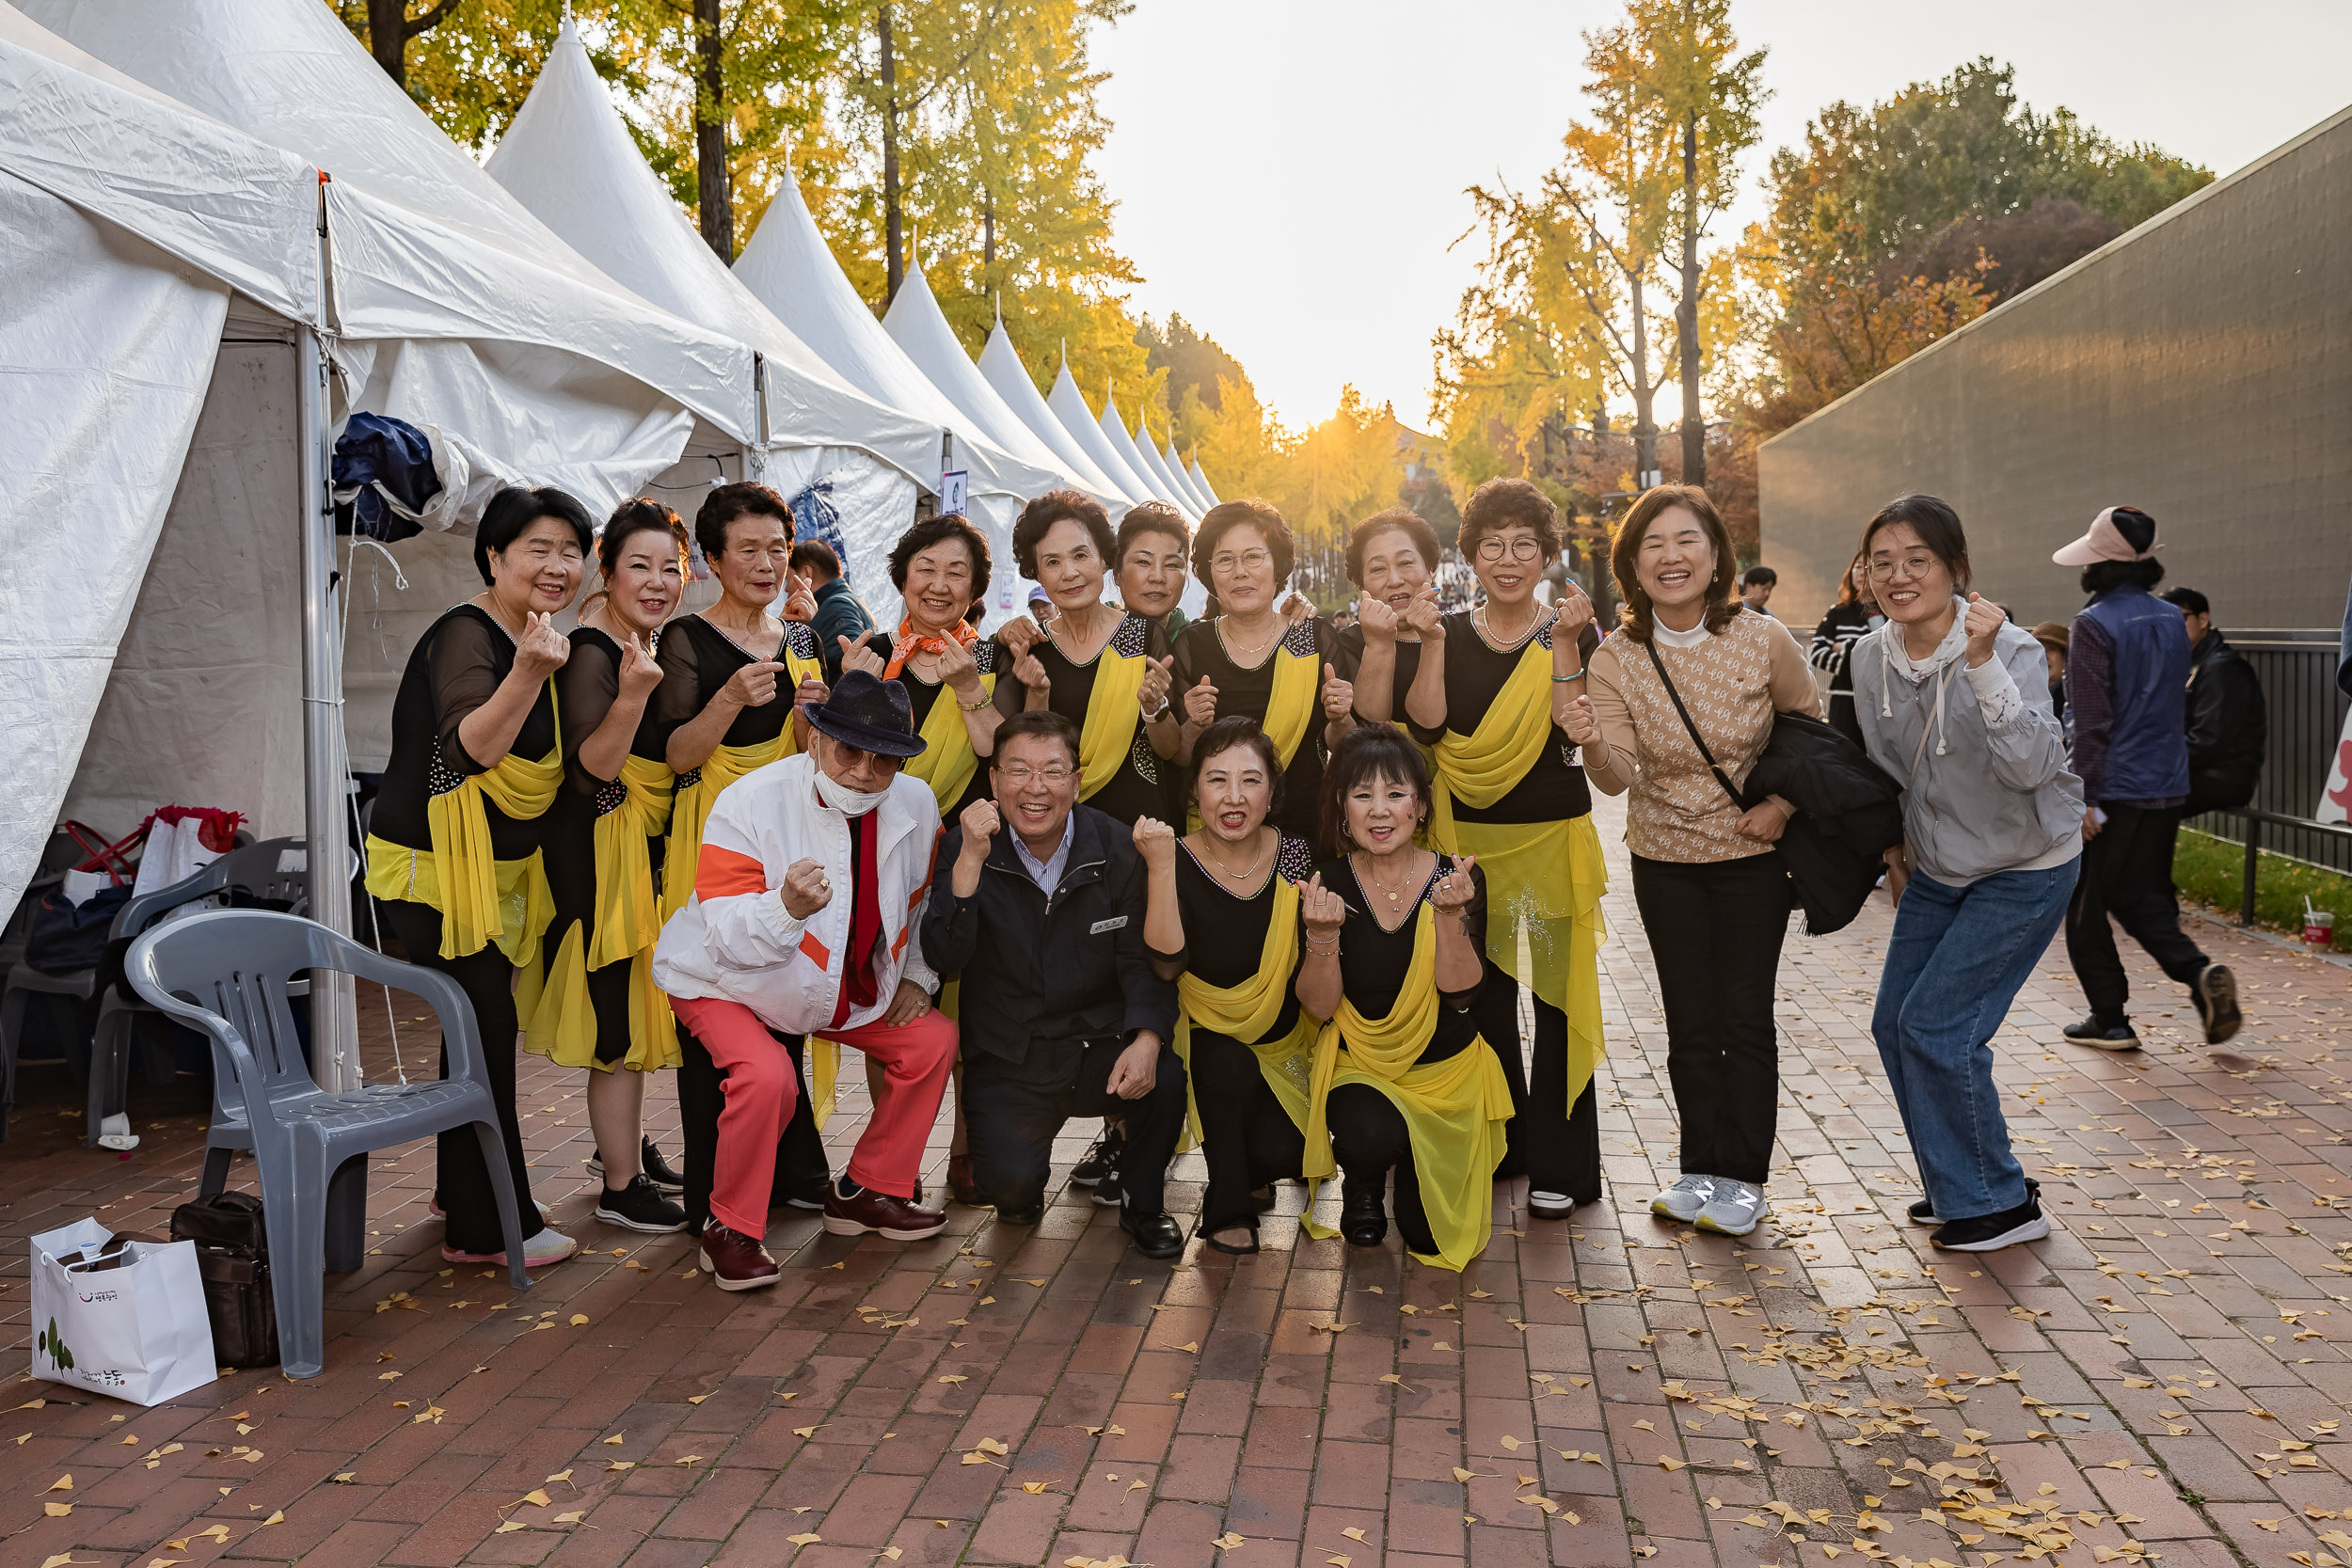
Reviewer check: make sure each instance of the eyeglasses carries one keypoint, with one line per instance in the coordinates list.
(1019, 773)
(1491, 547)
(1885, 569)
(1248, 561)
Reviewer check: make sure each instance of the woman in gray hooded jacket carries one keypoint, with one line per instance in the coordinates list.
(1954, 703)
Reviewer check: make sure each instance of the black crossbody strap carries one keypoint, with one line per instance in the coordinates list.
(1667, 681)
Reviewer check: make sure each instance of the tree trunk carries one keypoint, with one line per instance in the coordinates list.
(1645, 394)
(1687, 311)
(893, 218)
(988, 236)
(712, 188)
(388, 39)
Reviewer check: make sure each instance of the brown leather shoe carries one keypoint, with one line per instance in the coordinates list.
(879, 1213)
(736, 1261)
(961, 1186)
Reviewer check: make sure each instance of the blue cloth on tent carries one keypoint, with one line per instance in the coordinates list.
(379, 456)
(814, 517)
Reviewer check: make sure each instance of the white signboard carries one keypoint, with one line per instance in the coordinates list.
(954, 490)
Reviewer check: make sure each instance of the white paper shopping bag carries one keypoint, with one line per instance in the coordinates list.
(129, 1323)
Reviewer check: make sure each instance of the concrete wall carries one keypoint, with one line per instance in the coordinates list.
(2199, 367)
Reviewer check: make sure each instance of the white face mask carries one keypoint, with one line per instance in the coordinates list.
(847, 801)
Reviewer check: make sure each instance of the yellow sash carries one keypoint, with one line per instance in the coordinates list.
(1113, 711)
(690, 808)
(1543, 880)
(1245, 1012)
(1453, 1110)
(948, 762)
(1289, 706)
(562, 1026)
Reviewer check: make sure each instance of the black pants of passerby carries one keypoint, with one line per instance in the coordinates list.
(1555, 1147)
(2127, 873)
(1247, 1138)
(1715, 929)
(801, 1167)
(1013, 1110)
(1369, 1139)
(461, 1180)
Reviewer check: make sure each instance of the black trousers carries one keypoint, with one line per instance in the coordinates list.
(1246, 1137)
(2127, 873)
(1715, 929)
(1369, 1139)
(1012, 1111)
(461, 1180)
(801, 1167)
(1555, 1147)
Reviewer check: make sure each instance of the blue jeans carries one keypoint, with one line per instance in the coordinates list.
(1954, 965)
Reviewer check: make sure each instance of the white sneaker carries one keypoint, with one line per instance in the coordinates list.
(1733, 1209)
(1550, 1206)
(1684, 1199)
(549, 1247)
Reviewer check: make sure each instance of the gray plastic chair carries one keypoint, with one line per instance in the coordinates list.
(274, 871)
(226, 972)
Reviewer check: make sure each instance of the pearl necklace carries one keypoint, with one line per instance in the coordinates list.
(1214, 864)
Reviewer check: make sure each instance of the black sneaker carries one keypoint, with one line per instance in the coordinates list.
(1109, 1194)
(1992, 1232)
(640, 1206)
(656, 1168)
(2215, 991)
(2103, 1036)
(1101, 1158)
(1923, 1213)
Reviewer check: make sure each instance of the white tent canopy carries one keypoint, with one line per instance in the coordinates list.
(1208, 491)
(1170, 484)
(1114, 430)
(917, 324)
(569, 158)
(1176, 469)
(1000, 365)
(788, 265)
(1069, 405)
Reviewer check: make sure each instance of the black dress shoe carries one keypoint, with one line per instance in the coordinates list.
(1363, 1220)
(1030, 1216)
(1155, 1233)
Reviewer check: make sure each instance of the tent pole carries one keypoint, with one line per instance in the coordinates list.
(334, 1016)
(758, 465)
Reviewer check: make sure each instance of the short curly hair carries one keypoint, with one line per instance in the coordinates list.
(727, 502)
(1396, 519)
(1148, 517)
(1039, 515)
(1224, 735)
(1228, 516)
(930, 531)
(1503, 502)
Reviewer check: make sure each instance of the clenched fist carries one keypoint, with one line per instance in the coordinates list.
(1156, 841)
(806, 889)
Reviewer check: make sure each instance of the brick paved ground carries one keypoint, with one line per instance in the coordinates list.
(2163, 1378)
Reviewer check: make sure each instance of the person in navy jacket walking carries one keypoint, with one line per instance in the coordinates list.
(2126, 688)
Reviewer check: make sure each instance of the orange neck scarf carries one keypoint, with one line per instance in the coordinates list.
(911, 641)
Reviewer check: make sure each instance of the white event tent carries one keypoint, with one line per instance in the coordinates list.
(188, 463)
(1173, 487)
(1069, 405)
(1113, 428)
(1000, 365)
(1208, 491)
(789, 267)
(569, 158)
(1176, 469)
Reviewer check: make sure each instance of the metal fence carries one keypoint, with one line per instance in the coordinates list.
(2297, 669)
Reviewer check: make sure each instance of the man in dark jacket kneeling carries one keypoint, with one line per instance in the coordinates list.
(1040, 902)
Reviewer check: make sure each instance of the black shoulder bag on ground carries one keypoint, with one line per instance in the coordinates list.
(1848, 812)
(232, 1259)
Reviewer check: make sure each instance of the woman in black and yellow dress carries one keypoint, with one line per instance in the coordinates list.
(1402, 1080)
(1393, 561)
(1103, 668)
(1511, 793)
(1246, 658)
(454, 850)
(1222, 922)
(598, 1007)
(733, 678)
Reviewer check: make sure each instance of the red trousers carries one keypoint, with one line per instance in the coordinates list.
(759, 1098)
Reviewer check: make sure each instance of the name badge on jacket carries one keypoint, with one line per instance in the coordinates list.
(1111, 924)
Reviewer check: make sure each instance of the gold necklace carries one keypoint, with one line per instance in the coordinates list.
(1396, 897)
(1255, 651)
(1218, 866)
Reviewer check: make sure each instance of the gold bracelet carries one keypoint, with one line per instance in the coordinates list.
(974, 707)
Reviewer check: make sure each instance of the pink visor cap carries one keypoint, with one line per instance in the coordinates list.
(2112, 540)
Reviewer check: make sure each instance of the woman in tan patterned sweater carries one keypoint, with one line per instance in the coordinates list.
(1713, 898)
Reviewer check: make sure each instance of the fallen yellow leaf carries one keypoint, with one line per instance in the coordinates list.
(536, 1497)
(807, 1537)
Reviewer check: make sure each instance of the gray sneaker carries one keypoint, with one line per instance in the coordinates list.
(1733, 1208)
(1684, 1199)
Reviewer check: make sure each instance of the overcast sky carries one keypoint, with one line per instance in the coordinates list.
(1290, 172)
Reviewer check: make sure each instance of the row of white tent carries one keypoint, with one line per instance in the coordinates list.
(222, 231)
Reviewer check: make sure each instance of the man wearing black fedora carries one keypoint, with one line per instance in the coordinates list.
(805, 921)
